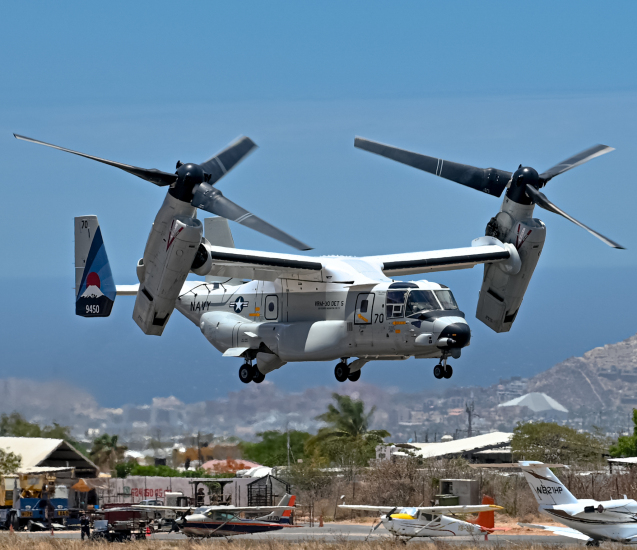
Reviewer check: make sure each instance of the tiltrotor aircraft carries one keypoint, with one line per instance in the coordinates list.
(300, 308)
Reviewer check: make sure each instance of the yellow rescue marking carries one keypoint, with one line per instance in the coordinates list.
(363, 318)
(400, 322)
(397, 331)
(257, 309)
(254, 315)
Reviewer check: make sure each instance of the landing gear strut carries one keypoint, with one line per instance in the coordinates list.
(443, 369)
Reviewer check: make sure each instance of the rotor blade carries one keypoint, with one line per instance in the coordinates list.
(212, 200)
(540, 199)
(219, 165)
(576, 160)
(149, 174)
(488, 180)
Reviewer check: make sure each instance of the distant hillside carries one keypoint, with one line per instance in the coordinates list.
(604, 377)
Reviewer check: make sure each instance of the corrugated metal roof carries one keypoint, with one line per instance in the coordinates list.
(461, 446)
(536, 401)
(45, 470)
(629, 460)
(37, 450)
(33, 450)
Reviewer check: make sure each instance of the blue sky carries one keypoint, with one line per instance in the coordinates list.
(148, 83)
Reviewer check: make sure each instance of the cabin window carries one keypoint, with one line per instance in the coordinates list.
(421, 301)
(395, 303)
(364, 306)
(446, 299)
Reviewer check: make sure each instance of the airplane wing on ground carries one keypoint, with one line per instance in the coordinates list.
(466, 509)
(564, 531)
(446, 260)
(236, 509)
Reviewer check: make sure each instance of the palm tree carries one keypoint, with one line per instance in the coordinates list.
(347, 427)
(106, 451)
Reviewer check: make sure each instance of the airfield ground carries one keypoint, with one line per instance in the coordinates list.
(330, 537)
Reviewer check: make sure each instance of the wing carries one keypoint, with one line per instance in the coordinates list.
(365, 508)
(267, 266)
(466, 509)
(564, 531)
(175, 508)
(238, 509)
(444, 260)
(427, 509)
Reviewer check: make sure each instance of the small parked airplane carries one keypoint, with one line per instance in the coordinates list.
(587, 519)
(429, 521)
(224, 521)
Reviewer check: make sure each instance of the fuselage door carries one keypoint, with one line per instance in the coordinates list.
(363, 319)
(364, 309)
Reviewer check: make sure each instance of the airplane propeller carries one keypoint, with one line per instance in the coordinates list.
(194, 183)
(523, 185)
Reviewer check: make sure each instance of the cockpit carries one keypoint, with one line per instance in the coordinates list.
(414, 302)
(215, 515)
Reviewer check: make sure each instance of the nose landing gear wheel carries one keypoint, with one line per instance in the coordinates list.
(341, 371)
(257, 376)
(354, 376)
(448, 371)
(438, 372)
(245, 373)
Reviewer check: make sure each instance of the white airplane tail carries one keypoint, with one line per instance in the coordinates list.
(544, 485)
(281, 516)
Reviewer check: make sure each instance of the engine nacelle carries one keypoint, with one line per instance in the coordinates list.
(502, 290)
(164, 269)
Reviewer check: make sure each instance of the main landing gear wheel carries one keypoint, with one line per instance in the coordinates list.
(439, 371)
(245, 373)
(341, 372)
(354, 376)
(448, 371)
(257, 376)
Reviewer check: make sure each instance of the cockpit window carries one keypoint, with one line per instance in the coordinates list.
(395, 304)
(446, 299)
(421, 301)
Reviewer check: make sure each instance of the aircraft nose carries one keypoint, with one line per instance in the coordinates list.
(460, 333)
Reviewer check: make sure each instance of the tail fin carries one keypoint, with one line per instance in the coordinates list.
(485, 519)
(544, 485)
(94, 285)
(278, 516)
(286, 517)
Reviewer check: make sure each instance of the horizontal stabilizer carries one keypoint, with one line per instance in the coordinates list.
(127, 290)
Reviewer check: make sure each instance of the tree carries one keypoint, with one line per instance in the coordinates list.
(347, 439)
(15, 425)
(626, 444)
(272, 450)
(9, 462)
(550, 442)
(106, 451)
